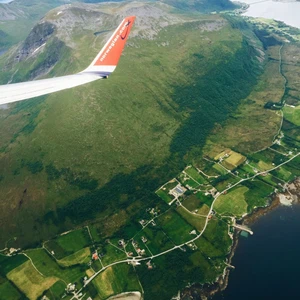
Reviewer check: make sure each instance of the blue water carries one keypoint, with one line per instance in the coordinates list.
(268, 263)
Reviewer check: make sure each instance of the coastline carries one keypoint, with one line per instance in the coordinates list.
(207, 291)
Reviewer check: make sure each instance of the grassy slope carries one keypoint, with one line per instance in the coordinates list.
(117, 126)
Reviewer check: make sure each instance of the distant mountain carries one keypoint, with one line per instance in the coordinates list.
(202, 5)
(23, 14)
(19, 16)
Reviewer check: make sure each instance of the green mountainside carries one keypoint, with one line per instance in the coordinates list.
(84, 153)
(140, 184)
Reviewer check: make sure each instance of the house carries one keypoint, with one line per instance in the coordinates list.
(95, 256)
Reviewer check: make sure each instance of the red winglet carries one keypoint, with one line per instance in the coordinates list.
(111, 52)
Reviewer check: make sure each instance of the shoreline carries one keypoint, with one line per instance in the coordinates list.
(207, 291)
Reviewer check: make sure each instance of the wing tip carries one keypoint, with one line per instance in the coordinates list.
(108, 58)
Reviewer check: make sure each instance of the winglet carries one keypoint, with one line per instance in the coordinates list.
(107, 59)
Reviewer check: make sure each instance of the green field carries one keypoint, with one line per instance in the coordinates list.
(8, 291)
(225, 181)
(283, 174)
(115, 280)
(233, 203)
(292, 114)
(56, 291)
(192, 172)
(197, 201)
(217, 234)
(7, 264)
(70, 243)
(194, 220)
(157, 240)
(220, 169)
(112, 254)
(234, 160)
(271, 180)
(80, 257)
(49, 267)
(257, 193)
(176, 228)
(30, 281)
(164, 196)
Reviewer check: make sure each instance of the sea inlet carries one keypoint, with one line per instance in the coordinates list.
(267, 264)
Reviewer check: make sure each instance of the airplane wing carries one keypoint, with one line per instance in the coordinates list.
(102, 66)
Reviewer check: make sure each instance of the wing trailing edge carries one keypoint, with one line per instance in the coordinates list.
(103, 65)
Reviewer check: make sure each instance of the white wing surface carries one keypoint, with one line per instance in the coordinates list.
(102, 66)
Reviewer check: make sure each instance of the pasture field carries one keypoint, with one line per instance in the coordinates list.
(222, 154)
(158, 240)
(56, 291)
(220, 169)
(164, 196)
(293, 166)
(8, 291)
(292, 114)
(233, 203)
(223, 182)
(116, 280)
(194, 220)
(68, 244)
(247, 170)
(204, 210)
(271, 180)
(264, 166)
(198, 203)
(186, 181)
(205, 199)
(49, 267)
(30, 281)
(283, 174)
(268, 157)
(112, 254)
(94, 233)
(96, 265)
(80, 257)
(192, 202)
(257, 194)
(191, 184)
(206, 247)
(175, 227)
(234, 160)
(170, 185)
(217, 234)
(204, 264)
(7, 264)
(192, 172)
(206, 166)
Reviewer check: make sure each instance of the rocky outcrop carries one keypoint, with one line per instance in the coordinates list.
(37, 37)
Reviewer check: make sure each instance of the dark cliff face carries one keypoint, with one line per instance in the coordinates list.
(37, 37)
(39, 53)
